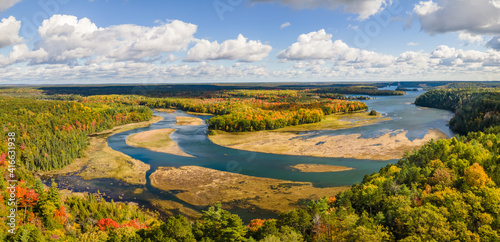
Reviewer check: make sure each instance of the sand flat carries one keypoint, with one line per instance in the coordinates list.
(202, 186)
(165, 110)
(315, 168)
(391, 145)
(181, 120)
(157, 140)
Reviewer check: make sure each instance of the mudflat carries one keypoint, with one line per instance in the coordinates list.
(202, 186)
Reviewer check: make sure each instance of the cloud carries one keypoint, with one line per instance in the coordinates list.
(319, 46)
(67, 39)
(364, 8)
(5, 4)
(425, 8)
(479, 17)
(284, 25)
(317, 55)
(132, 72)
(470, 38)
(9, 29)
(233, 49)
(413, 44)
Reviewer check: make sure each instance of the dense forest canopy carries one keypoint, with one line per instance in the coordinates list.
(476, 109)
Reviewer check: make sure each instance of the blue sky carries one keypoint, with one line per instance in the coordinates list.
(156, 41)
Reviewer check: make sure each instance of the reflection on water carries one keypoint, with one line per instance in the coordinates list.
(193, 140)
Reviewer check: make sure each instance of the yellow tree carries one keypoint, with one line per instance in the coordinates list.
(475, 176)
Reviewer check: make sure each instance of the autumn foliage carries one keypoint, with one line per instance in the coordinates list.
(106, 223)
(475, 176)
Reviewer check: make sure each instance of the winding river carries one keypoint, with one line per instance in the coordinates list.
(193, 140)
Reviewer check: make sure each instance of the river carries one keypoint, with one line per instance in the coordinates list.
(416, 121)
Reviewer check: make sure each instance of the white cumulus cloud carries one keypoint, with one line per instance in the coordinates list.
(66, 38)
(240, 49)
(9, 32)
(320, 46)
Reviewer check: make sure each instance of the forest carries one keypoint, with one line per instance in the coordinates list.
(445, 191)
(476, 109)
(247, 110)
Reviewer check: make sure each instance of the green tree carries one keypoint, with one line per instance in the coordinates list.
(219, 225)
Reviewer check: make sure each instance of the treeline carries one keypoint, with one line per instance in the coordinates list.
(406, 89)
(246, 114)
(50, 134)
(448, 99)
(357, 90)
(278, 117)
(475, 109)
(477, 113)
(341, 96)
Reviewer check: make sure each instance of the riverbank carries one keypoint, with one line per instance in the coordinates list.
(101, 161)
(202, 187)
(157, 140)
(391, 145)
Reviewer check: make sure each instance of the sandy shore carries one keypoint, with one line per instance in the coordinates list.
(181, 120)
(389, 146)
(157, 140)
(165, 110)
(101, 161)
(313, 168)
(202, 186)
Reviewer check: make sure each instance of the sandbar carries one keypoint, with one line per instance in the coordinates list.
(181, 120)
(315, 168)
(157, 140)
(391, 145)
(165, 110)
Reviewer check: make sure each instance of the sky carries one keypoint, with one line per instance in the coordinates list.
(166, 41)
